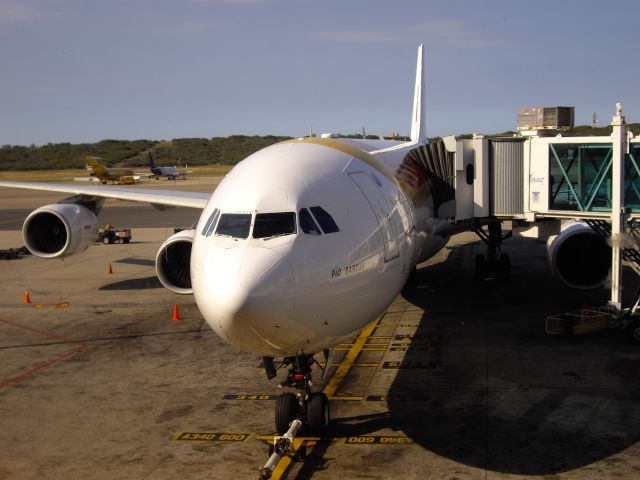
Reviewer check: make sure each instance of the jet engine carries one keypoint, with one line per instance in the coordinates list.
(173, 262)
(579, 257)
(59, 230)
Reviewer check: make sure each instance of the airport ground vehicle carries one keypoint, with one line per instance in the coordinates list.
(109, 234)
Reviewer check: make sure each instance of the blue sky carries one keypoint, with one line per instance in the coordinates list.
(85, 70)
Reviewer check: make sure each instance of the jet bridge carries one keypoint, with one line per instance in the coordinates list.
(540, 183)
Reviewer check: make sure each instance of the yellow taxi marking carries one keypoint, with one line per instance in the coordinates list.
(52, 305)
(212, 437)
(283, 465)
(349, 359)
(255, 397)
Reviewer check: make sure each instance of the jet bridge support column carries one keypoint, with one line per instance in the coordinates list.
(620, 149)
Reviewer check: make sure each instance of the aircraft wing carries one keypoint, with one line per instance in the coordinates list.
(173, 198)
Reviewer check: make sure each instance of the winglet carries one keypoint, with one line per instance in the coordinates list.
(418, 127)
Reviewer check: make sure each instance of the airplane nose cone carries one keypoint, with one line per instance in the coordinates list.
(244, 294)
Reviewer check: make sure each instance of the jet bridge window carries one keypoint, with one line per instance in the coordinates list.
(307, 223)
(235, 225)
(207, 230)
(269, 225)
(324, 219)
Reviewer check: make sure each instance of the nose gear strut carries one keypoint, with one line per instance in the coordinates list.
(308, 406)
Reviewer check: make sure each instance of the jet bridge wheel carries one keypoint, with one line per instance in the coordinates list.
(286, 411)
(633, 330)
(318, 413)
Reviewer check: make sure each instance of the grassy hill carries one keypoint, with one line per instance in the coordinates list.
(181, 151)
(190, 151)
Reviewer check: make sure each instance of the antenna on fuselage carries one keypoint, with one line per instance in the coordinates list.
(418, 127)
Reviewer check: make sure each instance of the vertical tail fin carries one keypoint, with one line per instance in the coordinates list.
(152, 160)
(92, 163)
(418, 127)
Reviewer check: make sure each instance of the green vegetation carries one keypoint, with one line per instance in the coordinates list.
(125, 153)
(181, 151)
(588, 131)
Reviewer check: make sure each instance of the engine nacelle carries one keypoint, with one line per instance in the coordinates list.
(59, 230)
(173, 262)
(579, 257)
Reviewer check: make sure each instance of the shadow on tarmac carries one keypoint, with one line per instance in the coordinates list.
(501, 394)
(134, 284)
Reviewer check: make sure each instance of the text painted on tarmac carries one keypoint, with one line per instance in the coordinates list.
(249, 397)
(377, 440)
(211, 437)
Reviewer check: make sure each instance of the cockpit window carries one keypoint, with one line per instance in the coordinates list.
(324, 219)
(307, 223)
(211, 223)
(274, 224)
(234, 225)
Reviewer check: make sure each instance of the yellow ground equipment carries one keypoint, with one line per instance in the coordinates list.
(581, 322)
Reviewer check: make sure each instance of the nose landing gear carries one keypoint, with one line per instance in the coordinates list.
(311, 408)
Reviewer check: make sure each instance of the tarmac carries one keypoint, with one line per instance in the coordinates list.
(457, 380)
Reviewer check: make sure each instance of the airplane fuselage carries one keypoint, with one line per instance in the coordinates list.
(313, 281)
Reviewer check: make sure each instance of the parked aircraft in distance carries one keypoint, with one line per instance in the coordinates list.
(301, 246)
(170, 172)
(121, 176)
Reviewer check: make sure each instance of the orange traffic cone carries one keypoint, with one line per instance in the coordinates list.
(110, 271)
(27, 298)
(176, 312)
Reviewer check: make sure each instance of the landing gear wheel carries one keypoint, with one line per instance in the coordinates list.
(318, 413)
(633, 330)
(505, 267)
(286, 411)
(481, 267)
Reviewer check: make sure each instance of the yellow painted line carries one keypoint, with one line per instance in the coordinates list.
(284, 463)
(348, 399)
(349, 359)
(354, 365)
(344, 349)
(282, 467)
(269, 439)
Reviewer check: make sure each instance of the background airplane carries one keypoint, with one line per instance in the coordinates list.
(170, 172)
(121, 176)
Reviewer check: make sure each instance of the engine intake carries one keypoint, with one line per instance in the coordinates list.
(59, 230)
(579, 257)
(173, 262)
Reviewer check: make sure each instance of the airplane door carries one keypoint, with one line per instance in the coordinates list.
(374, 196)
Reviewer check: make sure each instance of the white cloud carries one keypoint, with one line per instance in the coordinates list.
(451, 33)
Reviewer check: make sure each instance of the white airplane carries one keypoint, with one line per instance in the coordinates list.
(301, 246)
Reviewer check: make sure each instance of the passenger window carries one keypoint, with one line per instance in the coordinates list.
(307, 223)
(324, 219)
(235, 225)
(274, 224)
(211, 223)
